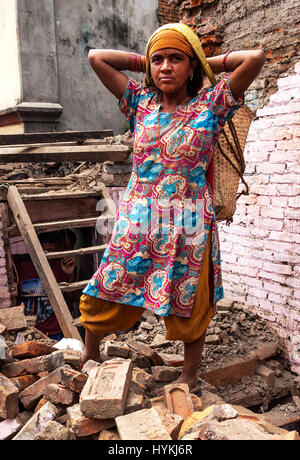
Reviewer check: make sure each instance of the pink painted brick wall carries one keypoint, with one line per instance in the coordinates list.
(4, 291)
(260, 250)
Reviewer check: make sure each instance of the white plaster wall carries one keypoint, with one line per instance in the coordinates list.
(10, 82)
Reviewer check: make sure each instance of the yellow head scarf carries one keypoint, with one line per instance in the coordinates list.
(188, 40)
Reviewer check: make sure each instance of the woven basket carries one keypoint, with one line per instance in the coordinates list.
(229, 164)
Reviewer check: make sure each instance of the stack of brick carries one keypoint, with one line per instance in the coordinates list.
(45, 395)
(260, 250)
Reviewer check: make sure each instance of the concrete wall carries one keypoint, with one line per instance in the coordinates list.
(10, 82)
(54, 37)
(117, 24)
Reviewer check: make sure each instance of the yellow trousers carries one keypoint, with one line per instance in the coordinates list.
(104, 317)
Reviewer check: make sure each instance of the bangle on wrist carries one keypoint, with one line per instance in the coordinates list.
(224, 61)
(136, 63)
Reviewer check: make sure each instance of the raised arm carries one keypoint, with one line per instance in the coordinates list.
(109, 66)
(244, 67)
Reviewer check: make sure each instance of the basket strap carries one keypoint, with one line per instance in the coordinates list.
(244, 192)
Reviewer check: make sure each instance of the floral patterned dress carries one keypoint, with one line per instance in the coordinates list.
(155, 255)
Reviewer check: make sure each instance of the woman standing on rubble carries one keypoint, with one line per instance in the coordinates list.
(172, 265)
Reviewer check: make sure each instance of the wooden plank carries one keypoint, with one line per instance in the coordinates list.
(75, 223)
(76, 252)
(70, 287)
(66, 209)
(41, 264)
(79, 136)
(93, 153)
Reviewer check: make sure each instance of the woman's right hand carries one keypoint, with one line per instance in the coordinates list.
(108, 66)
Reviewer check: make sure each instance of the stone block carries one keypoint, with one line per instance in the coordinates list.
(85, 426)
(72, 379)
(57, 394)
(54, 431)
(143, 425)
(9, 398)
(31, 350)
(37, 423)
(105, 392)
(165, 373)
(178, 400)
(34, 365)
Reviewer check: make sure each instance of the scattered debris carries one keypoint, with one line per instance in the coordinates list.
(45, 395)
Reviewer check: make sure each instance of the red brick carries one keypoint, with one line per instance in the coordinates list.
(34, 365)
(9, 398)
(85, 426)
(57, 394)
(30, 350)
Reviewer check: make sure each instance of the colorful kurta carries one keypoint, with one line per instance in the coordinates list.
(155, 255)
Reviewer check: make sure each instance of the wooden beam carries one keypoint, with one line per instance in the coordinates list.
(41, 264)
(76, 252)
(70, 287)
(93, 153)
(32, 138)
(75, 223)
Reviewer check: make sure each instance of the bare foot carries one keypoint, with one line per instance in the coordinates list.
(86, 356)
(190, 381)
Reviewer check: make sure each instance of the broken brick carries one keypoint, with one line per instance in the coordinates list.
(9, 398)
(145, 350)
(178, 400)
(230, 373)
(165, 373)
(72, 379)
(37, 422)
(11, 426)
(13, 318)
(57, 394)
(134, 402)
(30, 350)
(172, 422)
(31, 395)
(145, 424)
(85, 426)
(267, 374)
(116, 349)
(34, 365)
(172, 360)
(24, 381)
(54, 431)
(109, 435)
(105, 392)
(142, 377)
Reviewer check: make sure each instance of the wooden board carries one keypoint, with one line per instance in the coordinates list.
(70, 287)
(93, 153)
(41, 264)
(58, 225)
(13, 139)
(76, 252)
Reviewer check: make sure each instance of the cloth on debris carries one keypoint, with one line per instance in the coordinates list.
(105, 317)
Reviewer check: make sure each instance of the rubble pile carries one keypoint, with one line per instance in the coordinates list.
(46, 395)
(83, 176)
